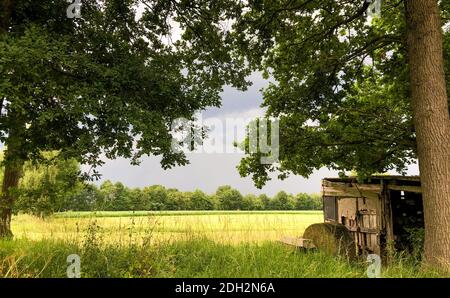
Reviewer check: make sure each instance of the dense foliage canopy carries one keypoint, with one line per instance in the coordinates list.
(340, 85)
(111, 82)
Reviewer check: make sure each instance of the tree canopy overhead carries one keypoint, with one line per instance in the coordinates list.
(340, 85)
(107, 82)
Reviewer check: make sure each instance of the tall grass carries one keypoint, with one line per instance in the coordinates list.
(141, 252)
(225, 227)
(192, 258)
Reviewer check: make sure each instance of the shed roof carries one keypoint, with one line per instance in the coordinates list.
(371, 187)
(376, 178)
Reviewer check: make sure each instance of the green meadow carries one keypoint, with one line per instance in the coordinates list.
(177, 244)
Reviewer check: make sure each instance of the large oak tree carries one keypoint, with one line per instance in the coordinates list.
(106, 84)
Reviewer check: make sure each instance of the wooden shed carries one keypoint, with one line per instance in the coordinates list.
(377, 211)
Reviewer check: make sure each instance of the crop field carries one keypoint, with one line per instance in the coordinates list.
(220, 226)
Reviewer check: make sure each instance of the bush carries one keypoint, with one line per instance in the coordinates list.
(416, 239)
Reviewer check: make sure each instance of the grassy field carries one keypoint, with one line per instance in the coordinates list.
(222, 227)
(177, 244)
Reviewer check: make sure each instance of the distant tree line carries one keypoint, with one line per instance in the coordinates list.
(54, 186)
(117, 197)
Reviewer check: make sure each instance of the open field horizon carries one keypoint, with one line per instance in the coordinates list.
(219, 226)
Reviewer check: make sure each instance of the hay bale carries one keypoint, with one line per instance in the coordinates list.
(332, 238)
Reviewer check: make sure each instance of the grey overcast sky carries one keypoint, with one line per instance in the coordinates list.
(209, 171)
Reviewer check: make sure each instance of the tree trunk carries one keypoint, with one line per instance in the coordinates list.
(13, 160)
(432, 125)
(10, 182)
(13, 165)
